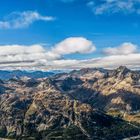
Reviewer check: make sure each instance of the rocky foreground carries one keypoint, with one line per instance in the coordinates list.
(85, 104)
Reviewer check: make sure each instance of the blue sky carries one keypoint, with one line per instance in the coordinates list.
(106, 23)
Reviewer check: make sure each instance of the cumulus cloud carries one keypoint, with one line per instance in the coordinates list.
(123, 49)
(24, 19)
(20, 49)
(21, 53)
(114, 6)
(74, 45)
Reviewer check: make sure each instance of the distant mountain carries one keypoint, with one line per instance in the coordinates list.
(86, 104)
(5, 75)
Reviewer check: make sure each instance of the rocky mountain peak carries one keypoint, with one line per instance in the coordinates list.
(122, 69)
(120, 72)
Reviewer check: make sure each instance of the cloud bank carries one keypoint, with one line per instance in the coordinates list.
(37, 57)
(24, 19)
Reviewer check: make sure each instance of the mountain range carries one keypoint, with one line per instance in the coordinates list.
(86, 104)
(9, 74)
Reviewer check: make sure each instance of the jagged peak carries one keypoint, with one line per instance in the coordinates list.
(123, 68)
(120, 71)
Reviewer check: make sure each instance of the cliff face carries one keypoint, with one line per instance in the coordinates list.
(67, 105)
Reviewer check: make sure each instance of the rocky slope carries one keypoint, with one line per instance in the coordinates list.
(116, 92)
(84, 104)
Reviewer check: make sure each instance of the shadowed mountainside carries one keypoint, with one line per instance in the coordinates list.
(82, 104)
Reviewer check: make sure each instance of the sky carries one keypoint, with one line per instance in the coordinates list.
(69, 34)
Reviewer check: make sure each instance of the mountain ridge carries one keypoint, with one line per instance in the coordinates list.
(81, 104)
(9, 74)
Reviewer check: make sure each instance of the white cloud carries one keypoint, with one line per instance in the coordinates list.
(22, 19)
(20, 49)
(123, 49)
(74, 45)
(114, 6)
(100, 7)
(130, 60)
(19, 53)
(36, 56)
(125, 54)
